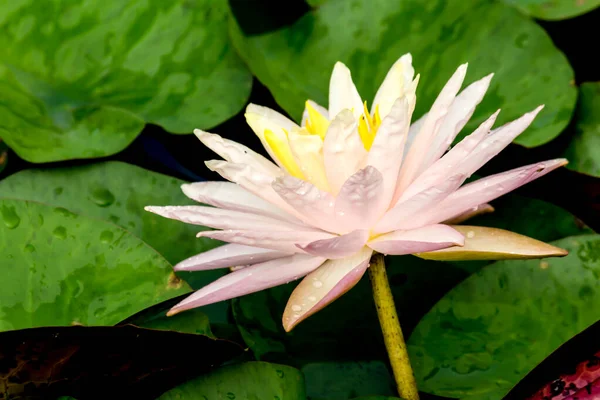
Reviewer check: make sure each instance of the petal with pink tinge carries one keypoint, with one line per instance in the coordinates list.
(470, 213)
(339, 246)
(482, 243)
(360, 203)
(229, 255)
(251, 279)
(323, 286)
(427, 238)
(342, 93)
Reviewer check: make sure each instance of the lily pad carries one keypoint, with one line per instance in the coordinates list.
(554, 9)
(118, 192)
(61, 268)
(295, 63)
(80, 79)
(252, 380)
(486, 334)
(583, 150)
(103, 362)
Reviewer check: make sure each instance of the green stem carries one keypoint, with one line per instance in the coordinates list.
(392, 332)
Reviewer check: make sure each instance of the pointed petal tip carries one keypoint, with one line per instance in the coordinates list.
(174, 311)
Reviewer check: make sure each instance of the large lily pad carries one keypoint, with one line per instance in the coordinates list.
(583, 151)
(491, 330)
(103, 362)
(369, 35)
(118, 192)
(80, 78)
(60, 268)
(554, 9)
(253, 380)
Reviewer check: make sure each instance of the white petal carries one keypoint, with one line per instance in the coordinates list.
(229, 255)
(339, 246)
(470, 213)
(427, 238)
(359, 203)
(343, 150)
(397, 80)
(308, 153)
(251, 279)
(342, 93)
(323, 286)
(237, 153)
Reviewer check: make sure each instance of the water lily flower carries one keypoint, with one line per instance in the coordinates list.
(347, 182)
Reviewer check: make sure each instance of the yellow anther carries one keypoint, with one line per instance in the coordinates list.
(368, 125)
(281, 149)
(317, 123)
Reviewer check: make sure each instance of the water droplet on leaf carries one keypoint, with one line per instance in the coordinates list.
(103, 197)
(10, 217)
(60, 232)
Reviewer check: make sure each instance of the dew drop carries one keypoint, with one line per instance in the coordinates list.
(230, 395)
(544, 264)
(106, 237)
(102, 197)
(317, 284)
(312, 298)
(58, 191)
(471, 234)
(280, 373)
(296, 308)
(10, 217)
(60, 232)
(29, 248)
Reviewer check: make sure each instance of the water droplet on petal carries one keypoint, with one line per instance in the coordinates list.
(471, 234)
(317, 284)
(312, 298)
(296, 308)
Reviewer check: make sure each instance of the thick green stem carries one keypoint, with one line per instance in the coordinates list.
(392, 332)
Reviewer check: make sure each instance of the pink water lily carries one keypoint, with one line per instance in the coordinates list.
(348, 182)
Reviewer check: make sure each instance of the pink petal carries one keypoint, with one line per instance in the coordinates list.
(237, 153)
(427, 238)
(229, 255)
(386, 153)
(219, 218)
(485, 190)
(314, 206)
(252, 180)
(343, 150)
(284, 241)
(430, 127)
(339, 246)
(473, 212)
(323, 286)
(342, 93)
(482, 243)
(448, 164)
(359, 203)
(404, 213)
(233, 197)
(251, 279)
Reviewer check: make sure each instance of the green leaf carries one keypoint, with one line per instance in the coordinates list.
(103, 362)
(346, 380)
(60, 268)
(295, 63)
(79, 79)
(193, 321)
(491, 330)
(253, 380)
(554, 9)
(118, 192)
(3, 155)
(582, 152)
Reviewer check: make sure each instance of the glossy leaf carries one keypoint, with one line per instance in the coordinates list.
(194, 321)
(60, 268)
(486, 334)
(103, 362)
(583, 151)
(252, 380)
(80, 78)
(554, 9)
(295, 63)
(118, 192)
(346, 380)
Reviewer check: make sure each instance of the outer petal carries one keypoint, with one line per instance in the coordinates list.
(430, 127)
(323, 286)
(251, 180)
(233, 197)
(398, 78)
(342, 93)
(339, 246)
(308, 153)
(219, 218)
(284, 241)
(229, 255)
(403, 214)
(237, 153)
(427, 238)
(485, 190)
(483, 243)
(315, 207)
(473, 212)
(360, 203)
(251, 279)
(387, 151)
(343, 150)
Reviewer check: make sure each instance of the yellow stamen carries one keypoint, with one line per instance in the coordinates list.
(317, 123)
(367, 126)
(281, 149)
